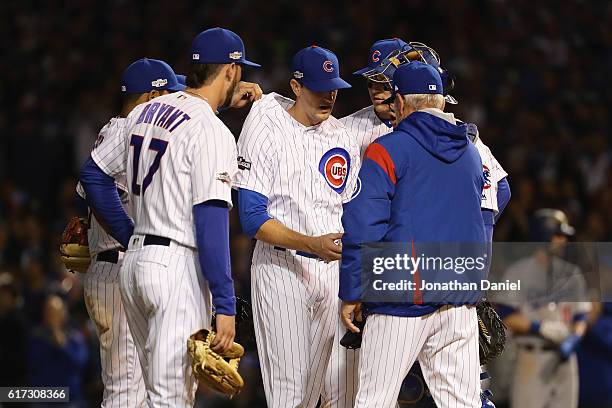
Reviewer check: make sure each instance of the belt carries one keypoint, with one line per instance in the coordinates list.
(108, 256)
(156, 240)
(300, 253)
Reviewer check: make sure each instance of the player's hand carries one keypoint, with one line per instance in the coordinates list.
(327, 247)
(225, 333)
(347, 312)
(244, 93)
(569, 346)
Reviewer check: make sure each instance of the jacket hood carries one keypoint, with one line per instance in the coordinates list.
(442, 139)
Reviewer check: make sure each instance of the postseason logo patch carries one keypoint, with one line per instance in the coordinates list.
(335, 166)
(243, 164)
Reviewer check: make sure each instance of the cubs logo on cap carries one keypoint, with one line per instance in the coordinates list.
(335, 166)
(379, 51)
(317, 68)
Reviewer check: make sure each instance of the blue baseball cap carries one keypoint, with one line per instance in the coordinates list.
(379, 51)
(147, 75)
(317, 68)
(417, 78)
(182, 79)
(219, 46)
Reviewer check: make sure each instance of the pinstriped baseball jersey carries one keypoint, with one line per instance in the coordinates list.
(100, 240)
(178, 154)
(493, 172)
(110, 141)
(365, 127)
(109, 151)
(121, 372)
(306, 172)
(340, 385)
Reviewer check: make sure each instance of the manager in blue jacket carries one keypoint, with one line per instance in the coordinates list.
(422, 183)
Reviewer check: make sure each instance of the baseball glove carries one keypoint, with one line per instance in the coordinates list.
(352, 340)
(74, 248)
(492, 332)
(219, 372)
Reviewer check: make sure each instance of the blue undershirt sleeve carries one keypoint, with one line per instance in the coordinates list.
(212, 236)
(103, 199)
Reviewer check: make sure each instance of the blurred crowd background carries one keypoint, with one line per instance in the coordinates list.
(534, 76)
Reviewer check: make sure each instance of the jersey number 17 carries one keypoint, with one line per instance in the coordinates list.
(156, 145)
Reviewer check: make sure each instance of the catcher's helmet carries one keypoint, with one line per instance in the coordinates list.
(547, 222)
(413, 51)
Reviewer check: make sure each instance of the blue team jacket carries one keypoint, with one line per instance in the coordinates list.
(420, 183)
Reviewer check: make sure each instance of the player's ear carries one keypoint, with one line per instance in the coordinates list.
(152, 95)
(398, 105)
(231, 71)
(296, 87)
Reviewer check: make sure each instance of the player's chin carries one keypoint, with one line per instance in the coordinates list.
(323, 112)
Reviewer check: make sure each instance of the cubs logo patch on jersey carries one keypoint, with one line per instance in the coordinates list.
(334, 166)
(486, 174)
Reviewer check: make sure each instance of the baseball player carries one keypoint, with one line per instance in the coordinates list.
(179, 159)
(496, 192)
(141, 82)
(400, 202)
(296, 170)
(364, 126)
(548, 317)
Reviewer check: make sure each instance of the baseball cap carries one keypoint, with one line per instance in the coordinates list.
(219, 46)
(149, 74)
(417, 78)
(182, 79)
(379, 51)
(317, 68)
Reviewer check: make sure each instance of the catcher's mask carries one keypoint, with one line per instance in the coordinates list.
(413, 51)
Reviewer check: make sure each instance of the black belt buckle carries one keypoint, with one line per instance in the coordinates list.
(108, 256)
(156, 240)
